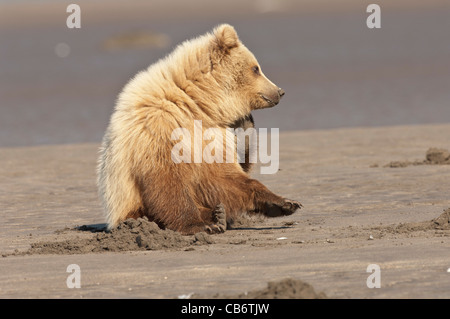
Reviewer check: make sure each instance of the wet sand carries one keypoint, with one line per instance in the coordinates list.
(357, 212)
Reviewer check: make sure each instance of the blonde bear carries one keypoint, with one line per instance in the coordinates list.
(214, 79)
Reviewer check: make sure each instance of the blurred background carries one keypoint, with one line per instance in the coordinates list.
(59, 85)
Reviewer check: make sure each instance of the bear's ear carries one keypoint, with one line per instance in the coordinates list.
(225, 38)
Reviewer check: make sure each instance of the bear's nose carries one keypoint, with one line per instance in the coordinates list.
(281, 92)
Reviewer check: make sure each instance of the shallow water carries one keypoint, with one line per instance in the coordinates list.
(336, 72)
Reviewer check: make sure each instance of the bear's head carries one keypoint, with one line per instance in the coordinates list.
(237, 68)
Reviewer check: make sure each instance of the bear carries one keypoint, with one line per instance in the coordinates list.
(217, 80)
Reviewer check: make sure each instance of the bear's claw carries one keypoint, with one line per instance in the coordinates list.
(219, 219)
(290, 206)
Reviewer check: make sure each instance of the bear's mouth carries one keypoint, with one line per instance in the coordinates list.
(268, 100)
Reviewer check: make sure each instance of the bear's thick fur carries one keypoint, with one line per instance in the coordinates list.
(213, 78)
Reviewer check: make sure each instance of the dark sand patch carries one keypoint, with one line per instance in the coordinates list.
(434, 156)
(131, 235)
(136, 39)
(282, 289)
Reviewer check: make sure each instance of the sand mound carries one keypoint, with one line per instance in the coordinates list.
(434, 156)
(130, 235)
(246, 221)
(440, 223)
(282, 289)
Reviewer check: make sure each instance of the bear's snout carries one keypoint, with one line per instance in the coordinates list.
(276, 96)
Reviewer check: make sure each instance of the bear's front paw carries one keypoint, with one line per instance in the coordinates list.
(284, 207)
(219, 218)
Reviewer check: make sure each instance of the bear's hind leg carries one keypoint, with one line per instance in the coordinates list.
(239, 193)
(202, 220)
(175, 209)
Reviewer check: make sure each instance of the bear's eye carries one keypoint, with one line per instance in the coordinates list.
(255, 69)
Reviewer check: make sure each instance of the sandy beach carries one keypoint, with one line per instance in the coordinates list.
(362, 109)
(357, 212)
